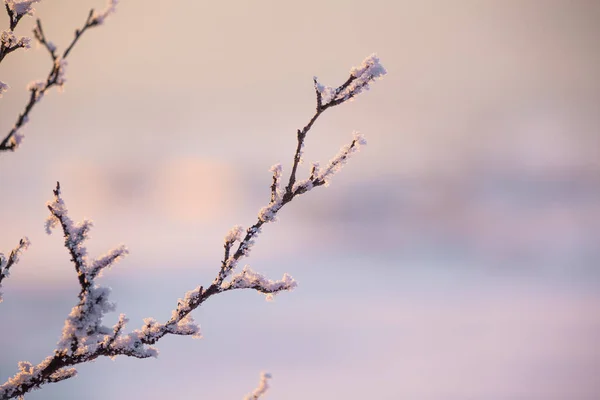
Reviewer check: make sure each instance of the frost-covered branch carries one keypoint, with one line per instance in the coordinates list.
(249, 279)
(359, 80)
(13, 258)
(327, 97)
(84, 336)
(17, 9)
(262, 388)
(56, 77)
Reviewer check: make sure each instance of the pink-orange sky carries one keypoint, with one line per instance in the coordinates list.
(456, 257)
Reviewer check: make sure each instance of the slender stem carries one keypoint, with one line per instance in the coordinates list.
(301, 135)
(41, 37)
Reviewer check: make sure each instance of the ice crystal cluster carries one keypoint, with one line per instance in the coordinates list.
(9, 40)
(249, 279)
(21, 7)
(85, 337)
(360, 79)
(99, 17)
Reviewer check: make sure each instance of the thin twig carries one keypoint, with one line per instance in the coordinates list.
(13, 258)
(38, 32)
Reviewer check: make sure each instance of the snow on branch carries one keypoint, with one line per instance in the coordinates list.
(85, 338)
(56, 77)
(13, 258)
(359, 80)
(262, 388)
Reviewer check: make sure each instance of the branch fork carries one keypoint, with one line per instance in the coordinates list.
(85, 338)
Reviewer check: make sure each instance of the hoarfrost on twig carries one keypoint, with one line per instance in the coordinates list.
(84, 337)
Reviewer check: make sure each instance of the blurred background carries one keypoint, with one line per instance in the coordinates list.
(456, 257)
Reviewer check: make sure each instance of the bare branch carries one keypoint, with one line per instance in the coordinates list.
(38, 32)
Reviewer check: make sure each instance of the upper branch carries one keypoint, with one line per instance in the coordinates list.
(56, 76)
(327, 97)
(8, 41)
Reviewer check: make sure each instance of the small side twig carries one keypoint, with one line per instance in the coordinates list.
(16, 12)
(38, 32)
(13, 258)
(263, 387)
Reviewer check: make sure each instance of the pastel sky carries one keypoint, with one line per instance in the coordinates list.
(456, 257)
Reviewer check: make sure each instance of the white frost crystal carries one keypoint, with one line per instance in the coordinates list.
(21, 7)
